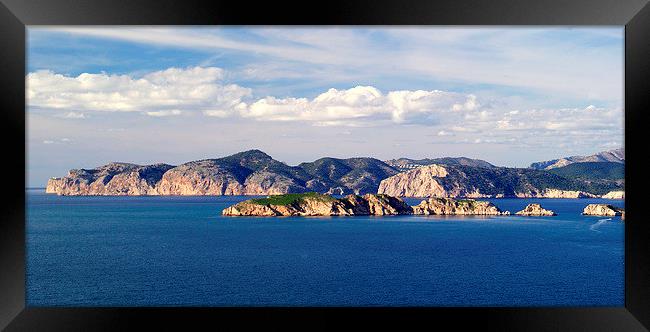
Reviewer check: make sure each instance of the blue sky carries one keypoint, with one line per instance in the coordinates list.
(510, 96)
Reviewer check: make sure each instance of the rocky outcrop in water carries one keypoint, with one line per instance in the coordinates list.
(535, 210)
(448, 206)
(602, 210)
(313, 204)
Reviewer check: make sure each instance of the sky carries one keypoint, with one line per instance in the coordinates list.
(507, 95)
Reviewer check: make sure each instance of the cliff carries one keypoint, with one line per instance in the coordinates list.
(111, 179)
(480, 182)
(246, 173)
(535, 210)
(314, 204)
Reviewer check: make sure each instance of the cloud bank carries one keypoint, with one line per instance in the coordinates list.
(159, 93)
(176, 91)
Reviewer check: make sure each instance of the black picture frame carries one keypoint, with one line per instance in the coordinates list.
(15, 15)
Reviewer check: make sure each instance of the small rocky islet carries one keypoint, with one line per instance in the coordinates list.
(603, 210)
(535, 209)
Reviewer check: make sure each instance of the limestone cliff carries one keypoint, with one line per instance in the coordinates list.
(535, 210)
(480, 182)
(246, 173)
(111, 179)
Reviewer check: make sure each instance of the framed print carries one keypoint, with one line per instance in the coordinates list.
(475, 163)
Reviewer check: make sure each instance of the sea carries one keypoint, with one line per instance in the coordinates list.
(180, 251)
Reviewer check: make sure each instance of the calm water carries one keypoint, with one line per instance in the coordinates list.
(168, 251)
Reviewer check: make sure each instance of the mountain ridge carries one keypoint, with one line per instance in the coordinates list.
(616, 155)
(254, 172)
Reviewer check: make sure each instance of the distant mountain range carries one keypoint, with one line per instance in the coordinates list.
(256, 173)
(405, 164)
(614, 156)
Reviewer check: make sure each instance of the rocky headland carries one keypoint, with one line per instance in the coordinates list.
(615, 195)
(535, 210)
(314, 204)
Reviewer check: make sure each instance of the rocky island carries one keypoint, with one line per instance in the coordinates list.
(535, 210)
(314, 204)
(603, 210)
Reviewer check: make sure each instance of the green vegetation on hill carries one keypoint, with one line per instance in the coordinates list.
(592, 171)
(288, 199)
(508, 181)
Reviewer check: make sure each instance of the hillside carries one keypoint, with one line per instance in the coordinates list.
(246, 173)
(615, 156)
(256, 173)
(405, 164)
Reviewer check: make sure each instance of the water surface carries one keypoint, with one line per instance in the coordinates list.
(179, 251)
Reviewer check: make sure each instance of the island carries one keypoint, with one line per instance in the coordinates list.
(315, 204)
(603, 210)
(535, 209)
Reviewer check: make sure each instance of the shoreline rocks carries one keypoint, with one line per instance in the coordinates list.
(535, 209)
(603, 210)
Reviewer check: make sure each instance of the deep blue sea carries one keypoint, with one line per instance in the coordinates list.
(179, 251)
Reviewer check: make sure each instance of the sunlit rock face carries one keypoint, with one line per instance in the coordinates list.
(535, 210)
(602, 210)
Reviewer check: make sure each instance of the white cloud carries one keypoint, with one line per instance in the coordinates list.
(159, 93)
(362, 104)
(164, 113)
(564, 61)
(74, 115)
